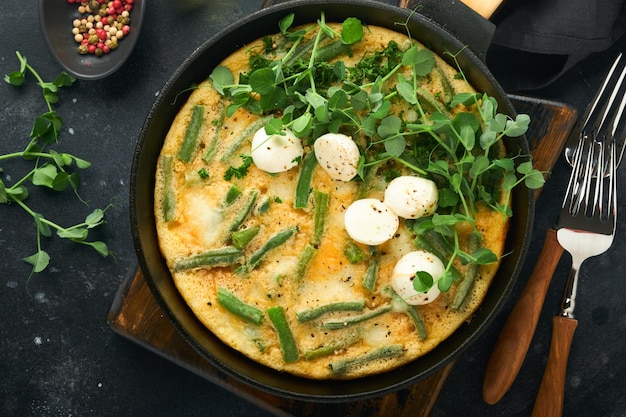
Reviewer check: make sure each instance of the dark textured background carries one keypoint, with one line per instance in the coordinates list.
(58, 357)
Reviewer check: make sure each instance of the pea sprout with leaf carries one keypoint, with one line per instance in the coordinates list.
(50, 170)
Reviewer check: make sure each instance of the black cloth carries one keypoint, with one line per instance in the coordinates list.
(538, 40)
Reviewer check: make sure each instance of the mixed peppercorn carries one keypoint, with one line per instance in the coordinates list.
(102, 26)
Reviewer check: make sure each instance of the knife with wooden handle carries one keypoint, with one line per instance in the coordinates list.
(517, 333)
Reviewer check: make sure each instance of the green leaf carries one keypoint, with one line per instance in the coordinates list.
(276, 99)
(447, 198)
(534, 180)
(359, 101)
(274, 126)
(422, 60)
(351, 31)
(467, 137)
(506, 164)
(100, 247)
(39, 260)
(423, 281)
(19, 193)
(46, 127)
(221, 78)
(389, 126)
(81, 163)
(42, 227)
(517, 127)
(15, 78)
(77, 233)
(406, 91)
(445, 281)
(395, 145)
(95, 218)
(45, 175)
(480, 165)
(510, 180)
(314, 99)
(338, 100)
(262, 81)
(302, 124)
(64, 80)
(487, 139)
(525, 167)
(285, 23)
(465, 99)
(3, 193)
(484, 256)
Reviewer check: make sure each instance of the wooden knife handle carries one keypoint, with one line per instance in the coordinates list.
(485, 8)
(549, 401)
(517, 333)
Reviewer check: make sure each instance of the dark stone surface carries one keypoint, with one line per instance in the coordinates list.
(58, 357)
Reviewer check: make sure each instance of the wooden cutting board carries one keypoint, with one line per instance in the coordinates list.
(136, 315)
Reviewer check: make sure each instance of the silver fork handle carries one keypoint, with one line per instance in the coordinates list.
(571, 288)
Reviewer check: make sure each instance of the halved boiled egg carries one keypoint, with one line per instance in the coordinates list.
(369, 221)
(412, 197)
(277, 152)
(338, 155)
(404, 273)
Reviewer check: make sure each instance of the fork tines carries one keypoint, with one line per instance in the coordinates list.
(592, 187)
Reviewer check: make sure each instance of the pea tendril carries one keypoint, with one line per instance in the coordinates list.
(52, 170)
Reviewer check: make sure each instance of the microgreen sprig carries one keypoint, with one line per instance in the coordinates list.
(457, 148)
(50, 170)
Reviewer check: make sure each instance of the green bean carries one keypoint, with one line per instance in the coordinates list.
(471, 270)
(286, 340)
(301, 51)
(272, 243)
(192, 133)
(304, 261)
(412, 312)
(233, 304)
(329, 349)
(385, 352)
(314, 313)
(436, 244)
(232, 194)
(330, 51)
(241, 238)
(245, 134)
(430, 104)
(211, 148)
(244, 211)
(352, 320)
(446, 86)
(263, 206)
(168, 201)
(303, 188)
(371, 273)
(320, 212)
(353, 252)
(226, 256)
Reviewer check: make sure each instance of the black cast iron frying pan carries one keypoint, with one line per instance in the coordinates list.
(197, 68)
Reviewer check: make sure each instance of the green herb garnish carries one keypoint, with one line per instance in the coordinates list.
(50, 170)
(458, 149)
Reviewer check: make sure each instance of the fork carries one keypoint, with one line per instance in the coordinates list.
(586, 228)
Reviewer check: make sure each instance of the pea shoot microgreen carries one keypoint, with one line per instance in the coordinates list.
(307, 89)
(50, 170)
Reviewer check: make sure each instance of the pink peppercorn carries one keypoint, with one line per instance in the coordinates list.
(125, 29)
